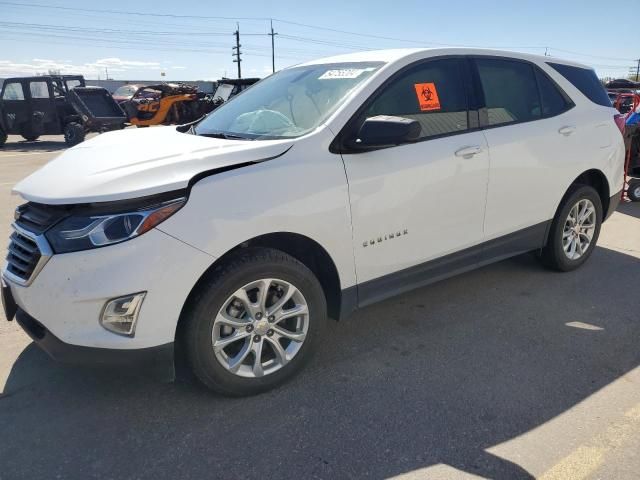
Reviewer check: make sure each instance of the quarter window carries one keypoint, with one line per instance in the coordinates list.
(39, 90)
(585, 80)
(13, 91)
(432, 93)
(510, 91)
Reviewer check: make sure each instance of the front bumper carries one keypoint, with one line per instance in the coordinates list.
(156, 360)
(68, 295)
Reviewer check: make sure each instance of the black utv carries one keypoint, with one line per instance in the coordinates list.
(56, 104)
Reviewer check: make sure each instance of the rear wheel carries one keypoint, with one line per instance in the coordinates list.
(3, 137)
(73, 134)
(254, 323)
(574, 230)
(634, 190)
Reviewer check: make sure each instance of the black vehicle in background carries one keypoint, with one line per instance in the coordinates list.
(56, 104)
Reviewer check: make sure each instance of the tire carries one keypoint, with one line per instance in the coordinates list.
(256, 332)
(73, 134)
(3, 137)
(30, 138)
(634, 190)
(563, 231)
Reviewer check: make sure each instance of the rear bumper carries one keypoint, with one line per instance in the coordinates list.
(157, 361)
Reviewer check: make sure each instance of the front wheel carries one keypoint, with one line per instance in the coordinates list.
(574, 230)
(3, 137)
(254, 322)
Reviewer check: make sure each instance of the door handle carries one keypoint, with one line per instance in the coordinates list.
(567, 130)
(468, 152)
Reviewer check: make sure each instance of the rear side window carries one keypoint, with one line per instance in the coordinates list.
(554, 100)
(585, 80)
(433, 93)
(39, 90)
(13, 91)
(510, 91)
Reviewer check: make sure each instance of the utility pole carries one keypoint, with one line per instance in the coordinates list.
(638, 70)
(273, 48)
(236, 50)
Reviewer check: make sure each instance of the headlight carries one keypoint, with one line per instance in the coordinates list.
(84, 232)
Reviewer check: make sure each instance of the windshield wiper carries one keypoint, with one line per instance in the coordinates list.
(227, 136)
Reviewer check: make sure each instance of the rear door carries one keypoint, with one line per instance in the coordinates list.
(43, 116)
(419, 201)
(530, 133)
(15, 108)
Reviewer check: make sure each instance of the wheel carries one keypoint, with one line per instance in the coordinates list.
(574, 230)
(142, 126)
(634, 190)
(30, 138)
(254, 322)
(3, 137)
(73, 134)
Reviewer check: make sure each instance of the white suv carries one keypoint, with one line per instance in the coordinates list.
(323, 188)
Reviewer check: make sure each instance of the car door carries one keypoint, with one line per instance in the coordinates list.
(529, 132)
(44, 118)
(419, 201)
(15, 111)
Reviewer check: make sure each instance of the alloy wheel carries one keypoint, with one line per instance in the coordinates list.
(579, 228)
(260, 328)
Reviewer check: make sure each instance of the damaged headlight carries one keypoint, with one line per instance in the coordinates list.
(85, 232)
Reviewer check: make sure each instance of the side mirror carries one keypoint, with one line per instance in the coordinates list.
(385, 130)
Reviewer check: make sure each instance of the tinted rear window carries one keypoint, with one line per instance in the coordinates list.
(585, 80)
(510, 91)
(554, 100)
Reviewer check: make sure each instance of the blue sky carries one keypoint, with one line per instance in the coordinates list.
(186, 42)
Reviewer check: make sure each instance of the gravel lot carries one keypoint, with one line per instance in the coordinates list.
(507, 372)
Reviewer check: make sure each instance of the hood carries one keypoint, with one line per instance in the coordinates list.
(134, 163)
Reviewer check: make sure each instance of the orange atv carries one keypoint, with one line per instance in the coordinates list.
(167, 103)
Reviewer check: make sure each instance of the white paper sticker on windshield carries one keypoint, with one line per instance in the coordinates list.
(341, 73)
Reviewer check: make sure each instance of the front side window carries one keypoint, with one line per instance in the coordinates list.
(13, 91)
(39, 90)
(433, 93)
(510, 91)
(287, 104)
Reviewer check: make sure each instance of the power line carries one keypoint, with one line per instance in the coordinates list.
(345, 45)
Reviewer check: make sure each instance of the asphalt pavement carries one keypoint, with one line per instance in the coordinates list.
(507, 372)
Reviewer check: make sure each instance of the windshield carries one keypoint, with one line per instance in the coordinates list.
(223, 91)
(287, 104)
(125, 90)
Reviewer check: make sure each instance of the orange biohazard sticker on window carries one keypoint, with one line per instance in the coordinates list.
(427, 96)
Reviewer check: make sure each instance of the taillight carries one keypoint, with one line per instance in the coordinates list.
(620, 121)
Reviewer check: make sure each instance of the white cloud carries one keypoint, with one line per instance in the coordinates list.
(90, 69)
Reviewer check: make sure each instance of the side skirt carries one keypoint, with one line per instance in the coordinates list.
(376, 290)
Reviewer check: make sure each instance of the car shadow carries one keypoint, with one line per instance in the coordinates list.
(436, 376)
(629, 208)
(24, 146)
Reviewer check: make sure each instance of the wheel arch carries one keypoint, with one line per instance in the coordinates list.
(598, 180)
(302, 248)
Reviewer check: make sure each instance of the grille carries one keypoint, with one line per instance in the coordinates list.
(37, 218)
(23, 256)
